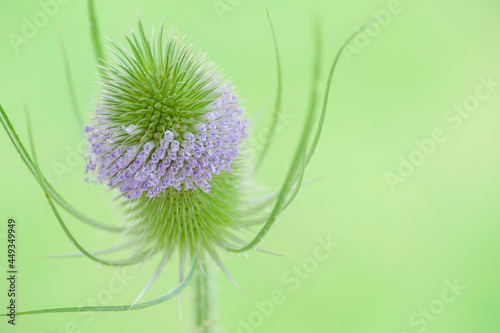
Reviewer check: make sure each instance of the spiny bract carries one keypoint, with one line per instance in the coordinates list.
(167, 134)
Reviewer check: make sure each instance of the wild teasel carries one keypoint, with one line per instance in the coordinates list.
(167, 135)
(168, 138)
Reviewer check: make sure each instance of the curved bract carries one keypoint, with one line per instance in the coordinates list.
(114, 308)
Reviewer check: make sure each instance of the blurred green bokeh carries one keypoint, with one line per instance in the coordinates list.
(401, 245)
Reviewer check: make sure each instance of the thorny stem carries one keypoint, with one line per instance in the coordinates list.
(204, 298)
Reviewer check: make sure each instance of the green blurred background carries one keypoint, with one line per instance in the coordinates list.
(398, 245)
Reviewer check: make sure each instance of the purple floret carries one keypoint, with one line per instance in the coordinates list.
(183, 161)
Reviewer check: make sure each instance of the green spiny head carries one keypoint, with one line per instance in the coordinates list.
(166, 135)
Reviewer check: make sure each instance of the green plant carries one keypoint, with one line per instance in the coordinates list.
(168, 136)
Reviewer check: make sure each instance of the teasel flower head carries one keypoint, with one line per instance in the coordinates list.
(167, 136)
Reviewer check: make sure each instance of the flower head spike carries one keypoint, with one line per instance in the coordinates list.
(167, 135)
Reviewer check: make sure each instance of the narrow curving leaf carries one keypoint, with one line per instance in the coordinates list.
(114, 308)
(278, 98)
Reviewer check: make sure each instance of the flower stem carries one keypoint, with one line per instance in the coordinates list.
(204, 298)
